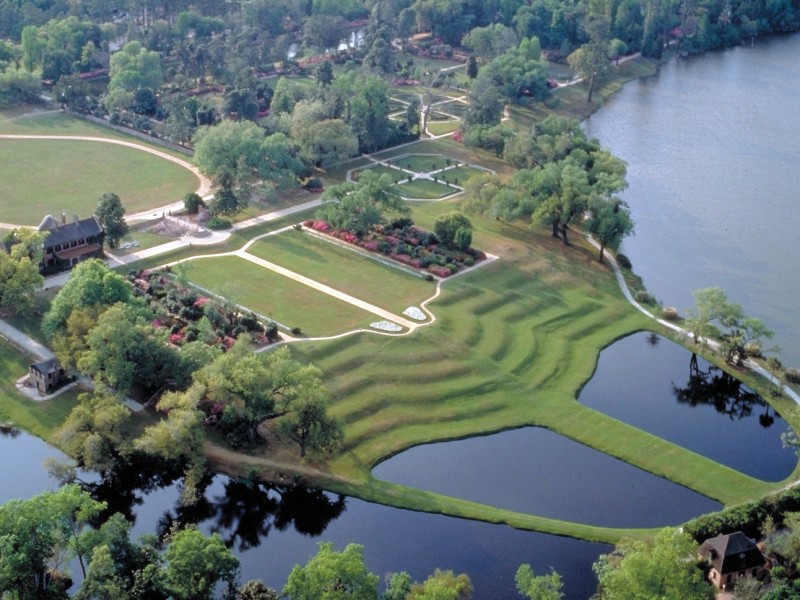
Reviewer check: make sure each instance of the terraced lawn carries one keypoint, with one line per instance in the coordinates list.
(280, 298)
(513, 344)
(345, 270)
(380, 170)
(460, 175)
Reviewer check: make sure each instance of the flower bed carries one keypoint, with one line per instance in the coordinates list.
(402, 242)
(189, 316)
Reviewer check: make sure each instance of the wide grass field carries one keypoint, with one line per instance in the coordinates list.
(344, 270)
(285, 300)
(51, 176)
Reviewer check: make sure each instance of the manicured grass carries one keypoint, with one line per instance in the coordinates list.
(71, 175)
(145, 239)
(421, 163)
(380, 170)
(285, 300)
(425, 188)
(40, 418)
(442, 127)
(460, 175)
(345, 270)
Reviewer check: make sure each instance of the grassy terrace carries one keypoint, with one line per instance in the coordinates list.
(344, 270)
(267, 293)
(420, 163)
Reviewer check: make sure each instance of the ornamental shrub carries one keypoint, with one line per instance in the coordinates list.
(216, 223)
(792, 375)
(643, 297)
(623, 261)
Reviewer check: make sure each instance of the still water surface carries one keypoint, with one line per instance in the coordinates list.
(713, 147)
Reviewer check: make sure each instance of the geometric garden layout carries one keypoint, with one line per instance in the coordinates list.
(423, 176)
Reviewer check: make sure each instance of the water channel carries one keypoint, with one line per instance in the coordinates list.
(712, 162)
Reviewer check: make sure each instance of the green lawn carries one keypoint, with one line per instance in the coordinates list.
(459, 175)
(40, 418)
(420, 163)
(51, 176)
(344, 270)
(380, 170)
(277, 297)
(442, 127)
(425, 188)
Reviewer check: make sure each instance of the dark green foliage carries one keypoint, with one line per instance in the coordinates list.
(623, 261)
(192, 203)
(216, 223)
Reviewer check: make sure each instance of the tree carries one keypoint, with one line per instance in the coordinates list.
(485, 103)
(38, 537)
(367, 110)
(448, 226)
(321, 141)
(472, 67)
(714, 315)
(241, 104)
(111, 215)
(123, 349)
(132, 68)
(238, 155)
(609, 223)
(542, 587)
(399, 586)
(97, 432)
(309, 424)
(323, 74)
(667, 568)
(192, 203)
(331, 575)
(18, 86)
(442, 585)
(19, 271)
(591, 60)
(91, 283)
(490, 41)
(195, 563)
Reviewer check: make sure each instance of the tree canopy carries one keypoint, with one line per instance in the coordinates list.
(331, 575)
(111, 215)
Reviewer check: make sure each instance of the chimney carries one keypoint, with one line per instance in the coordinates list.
(63, 218)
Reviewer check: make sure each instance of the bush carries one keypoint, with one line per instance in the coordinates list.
(428, 277)
(792, 375)
(192, 203)
(296, 331)
(643, 297)
(670, 313)
(623, 261)
(271, 331)
(216, 223)
(469, 261)
(314, 184)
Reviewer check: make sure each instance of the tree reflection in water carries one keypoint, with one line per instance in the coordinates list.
(724, 392)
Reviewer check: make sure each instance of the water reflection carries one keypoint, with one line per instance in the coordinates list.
(247, 512)
(714, 387)
(663, 388)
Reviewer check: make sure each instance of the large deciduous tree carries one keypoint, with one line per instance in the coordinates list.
(442, 585)
(331, 575)
(321, 141)
(91, 284)
(309, 424)
(38, 537)
(609, 223)
(19, 271)
(133, 68)
(111, 215)
(195, 563)
(666, 568)
(538, 587)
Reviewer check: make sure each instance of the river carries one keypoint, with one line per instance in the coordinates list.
(713, 146)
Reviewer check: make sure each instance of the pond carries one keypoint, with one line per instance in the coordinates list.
(271, 529)
(536, 471)
(690, 403)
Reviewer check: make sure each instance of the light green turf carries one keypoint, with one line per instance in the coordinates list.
(460, 175)
(442, 127)
(421, 163)
(381, 170)
(285, 300)
(345, 269)
(424, 188)
(51, 176)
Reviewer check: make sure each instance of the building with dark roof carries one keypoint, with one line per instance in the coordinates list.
(69, 243)
(47, 376)
(732, 556)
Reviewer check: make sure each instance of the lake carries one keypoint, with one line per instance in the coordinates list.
(712, 144)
